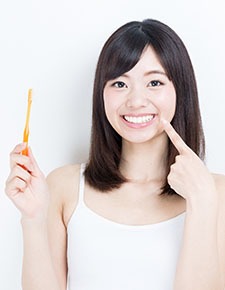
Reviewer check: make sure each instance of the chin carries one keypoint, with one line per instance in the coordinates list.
(143, 138)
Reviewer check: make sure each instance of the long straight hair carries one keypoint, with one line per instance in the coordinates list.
(120, 54)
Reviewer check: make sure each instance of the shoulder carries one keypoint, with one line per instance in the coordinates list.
(63, 183)
(61, 176)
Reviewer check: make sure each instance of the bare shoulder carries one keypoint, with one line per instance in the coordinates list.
(60, 178)
(63, 183)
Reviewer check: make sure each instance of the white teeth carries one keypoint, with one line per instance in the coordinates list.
(139, 120)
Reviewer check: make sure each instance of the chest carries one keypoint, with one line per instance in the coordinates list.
(116, 256)
(134, 205)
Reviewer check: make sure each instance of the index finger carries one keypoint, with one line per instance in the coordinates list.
(175, 138)
(16, 157)
(18, 148)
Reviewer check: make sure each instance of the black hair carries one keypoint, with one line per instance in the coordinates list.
(120, 54)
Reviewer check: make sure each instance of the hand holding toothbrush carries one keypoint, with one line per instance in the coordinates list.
(26, 185)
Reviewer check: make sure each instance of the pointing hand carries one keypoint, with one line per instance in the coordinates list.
(188, 176)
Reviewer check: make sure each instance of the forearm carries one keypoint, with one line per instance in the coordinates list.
(198, 266)
(38, 271)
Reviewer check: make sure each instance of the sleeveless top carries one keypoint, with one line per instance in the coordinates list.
(106, 255)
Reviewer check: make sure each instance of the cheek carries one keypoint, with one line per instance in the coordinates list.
(166, 104)
(168, 109)
(109, 105)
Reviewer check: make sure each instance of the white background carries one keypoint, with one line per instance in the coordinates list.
(53, 46)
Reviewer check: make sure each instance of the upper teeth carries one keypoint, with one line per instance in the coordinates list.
(138, 120)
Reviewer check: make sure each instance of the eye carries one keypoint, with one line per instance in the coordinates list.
(119, 85)
(155, 83)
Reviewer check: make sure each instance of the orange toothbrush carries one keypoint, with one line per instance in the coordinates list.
(26, 129)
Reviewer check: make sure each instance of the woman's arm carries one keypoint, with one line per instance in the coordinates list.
(199, 262)
(27, 188)
(204, 243)
(38, 270)
(199, 265)
(63, 184)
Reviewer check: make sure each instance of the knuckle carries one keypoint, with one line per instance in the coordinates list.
(9, 189)
(17, 170)
(170, 179)
(20, 184)
(13, 162)
(13, 152)
(178, 158)
(8, 180)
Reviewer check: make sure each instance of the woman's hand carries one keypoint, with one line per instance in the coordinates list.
(26, 185)
(189, 176)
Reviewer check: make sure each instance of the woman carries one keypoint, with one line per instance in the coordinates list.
(144, 212)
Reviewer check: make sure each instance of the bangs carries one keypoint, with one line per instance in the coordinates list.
(124, 53)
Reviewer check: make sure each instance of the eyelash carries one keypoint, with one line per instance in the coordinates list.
(120, 84)
(156, 85)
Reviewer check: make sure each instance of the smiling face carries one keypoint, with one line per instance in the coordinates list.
(136, 101)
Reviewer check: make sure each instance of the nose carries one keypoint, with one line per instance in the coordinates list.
(137, 99)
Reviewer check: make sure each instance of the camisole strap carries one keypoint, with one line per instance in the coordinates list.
(81, 185)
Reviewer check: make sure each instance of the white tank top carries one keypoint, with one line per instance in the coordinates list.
(106, 255)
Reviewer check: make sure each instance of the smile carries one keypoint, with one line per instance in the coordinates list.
(139, 119)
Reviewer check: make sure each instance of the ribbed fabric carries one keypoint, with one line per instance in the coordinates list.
(105, 255)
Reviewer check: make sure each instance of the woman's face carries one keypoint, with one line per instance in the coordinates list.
(136, 101)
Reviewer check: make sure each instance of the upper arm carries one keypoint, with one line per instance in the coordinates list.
(63, 193)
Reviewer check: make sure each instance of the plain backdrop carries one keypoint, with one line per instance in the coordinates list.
(52, 47)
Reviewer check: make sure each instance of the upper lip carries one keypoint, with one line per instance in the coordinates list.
(138, 115)
(140, 118)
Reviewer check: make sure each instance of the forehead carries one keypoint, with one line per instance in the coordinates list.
(149, 61)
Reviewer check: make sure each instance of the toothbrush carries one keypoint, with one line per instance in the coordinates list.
(26, 129)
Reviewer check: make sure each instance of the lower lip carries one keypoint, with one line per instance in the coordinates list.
(139, 125)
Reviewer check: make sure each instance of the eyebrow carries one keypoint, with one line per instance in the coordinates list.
(150, 72)
(155, 72)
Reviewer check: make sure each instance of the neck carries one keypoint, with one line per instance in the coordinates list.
(145, 162)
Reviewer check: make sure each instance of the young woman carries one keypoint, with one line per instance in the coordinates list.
(144, 212)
